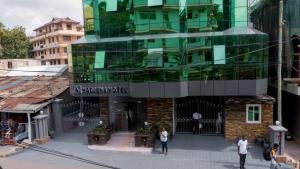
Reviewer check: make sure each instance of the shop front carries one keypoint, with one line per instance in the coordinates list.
(122, 108)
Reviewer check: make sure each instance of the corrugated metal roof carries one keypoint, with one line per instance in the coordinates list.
(30, 94)
(45, 70)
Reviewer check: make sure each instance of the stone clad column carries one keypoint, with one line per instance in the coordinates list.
(104, 110)
(41, 126)
(29, 127)
(160, 113)
(58, 116)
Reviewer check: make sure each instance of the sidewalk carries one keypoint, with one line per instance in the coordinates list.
(8, 150)
(292, 151)
(121, 142)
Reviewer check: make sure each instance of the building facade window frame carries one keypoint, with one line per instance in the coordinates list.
(256, 116)
(9, 65)
(67, 38)
(69, 26)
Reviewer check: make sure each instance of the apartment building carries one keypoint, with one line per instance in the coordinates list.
(51, 40)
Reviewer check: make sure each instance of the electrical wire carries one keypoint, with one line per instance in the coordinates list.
(68, 156)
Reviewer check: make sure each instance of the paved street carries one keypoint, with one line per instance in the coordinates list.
(185, 152)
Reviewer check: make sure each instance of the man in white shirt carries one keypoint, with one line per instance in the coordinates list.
(242, 151)
(196, 117)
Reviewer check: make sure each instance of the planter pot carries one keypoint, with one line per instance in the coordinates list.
(98, 138)
(143, 140)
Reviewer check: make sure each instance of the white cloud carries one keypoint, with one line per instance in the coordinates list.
(34, 13)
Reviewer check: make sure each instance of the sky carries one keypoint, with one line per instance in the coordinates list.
(34, 13)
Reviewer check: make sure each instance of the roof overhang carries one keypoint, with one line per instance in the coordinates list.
(31, 108)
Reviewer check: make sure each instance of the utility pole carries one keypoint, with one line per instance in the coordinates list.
(279, 97)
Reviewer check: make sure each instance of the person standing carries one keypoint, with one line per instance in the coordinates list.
(274, 163)
(242, 151)
(129, 119)
(219, 123)
(195, 121)
(164, 141)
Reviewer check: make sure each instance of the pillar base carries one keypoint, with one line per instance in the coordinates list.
(42, 141)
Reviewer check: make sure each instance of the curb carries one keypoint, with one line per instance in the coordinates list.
(18, 150)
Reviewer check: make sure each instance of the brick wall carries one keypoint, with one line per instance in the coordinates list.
(104, 110)
(235, 118)
(160, 113)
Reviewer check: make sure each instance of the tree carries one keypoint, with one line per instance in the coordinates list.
(15, 44)
(1, 34)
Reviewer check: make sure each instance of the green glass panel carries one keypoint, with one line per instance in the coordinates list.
(100, 59)
(91, 16)
(182, 5)
(219, 4)
(239, 3)
(241, 16)
(154, 58)
(219, 54)
(154, 2)
(111, 5)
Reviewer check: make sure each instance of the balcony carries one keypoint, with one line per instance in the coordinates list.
(199, 3)
(171, 4)
(167, 27)
(140, 3)
(195, 25)
(165, 3)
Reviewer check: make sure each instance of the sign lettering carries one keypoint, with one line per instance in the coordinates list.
(99, 90)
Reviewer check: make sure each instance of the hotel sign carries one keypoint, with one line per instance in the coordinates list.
(100, 90)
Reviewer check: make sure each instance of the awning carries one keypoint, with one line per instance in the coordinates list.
(15, 105)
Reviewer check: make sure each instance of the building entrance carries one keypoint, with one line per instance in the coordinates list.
(211, 115)
(127, 114)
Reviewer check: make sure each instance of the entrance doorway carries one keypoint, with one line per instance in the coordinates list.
(127, 114)
(211, 110)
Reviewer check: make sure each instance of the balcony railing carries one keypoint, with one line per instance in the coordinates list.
(199, 2)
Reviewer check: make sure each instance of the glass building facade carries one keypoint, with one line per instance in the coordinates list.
(167, 41)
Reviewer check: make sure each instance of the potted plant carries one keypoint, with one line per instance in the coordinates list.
(143, 137)
(99, 135)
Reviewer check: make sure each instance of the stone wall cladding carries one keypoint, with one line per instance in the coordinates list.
(235, 118)
(160, 113)
(104, 110)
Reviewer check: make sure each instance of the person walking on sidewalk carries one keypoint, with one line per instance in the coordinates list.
(274, 162)
(242, 151)
(164, 141)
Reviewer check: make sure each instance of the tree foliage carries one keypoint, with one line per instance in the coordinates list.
(1, 34)
(14, 43)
